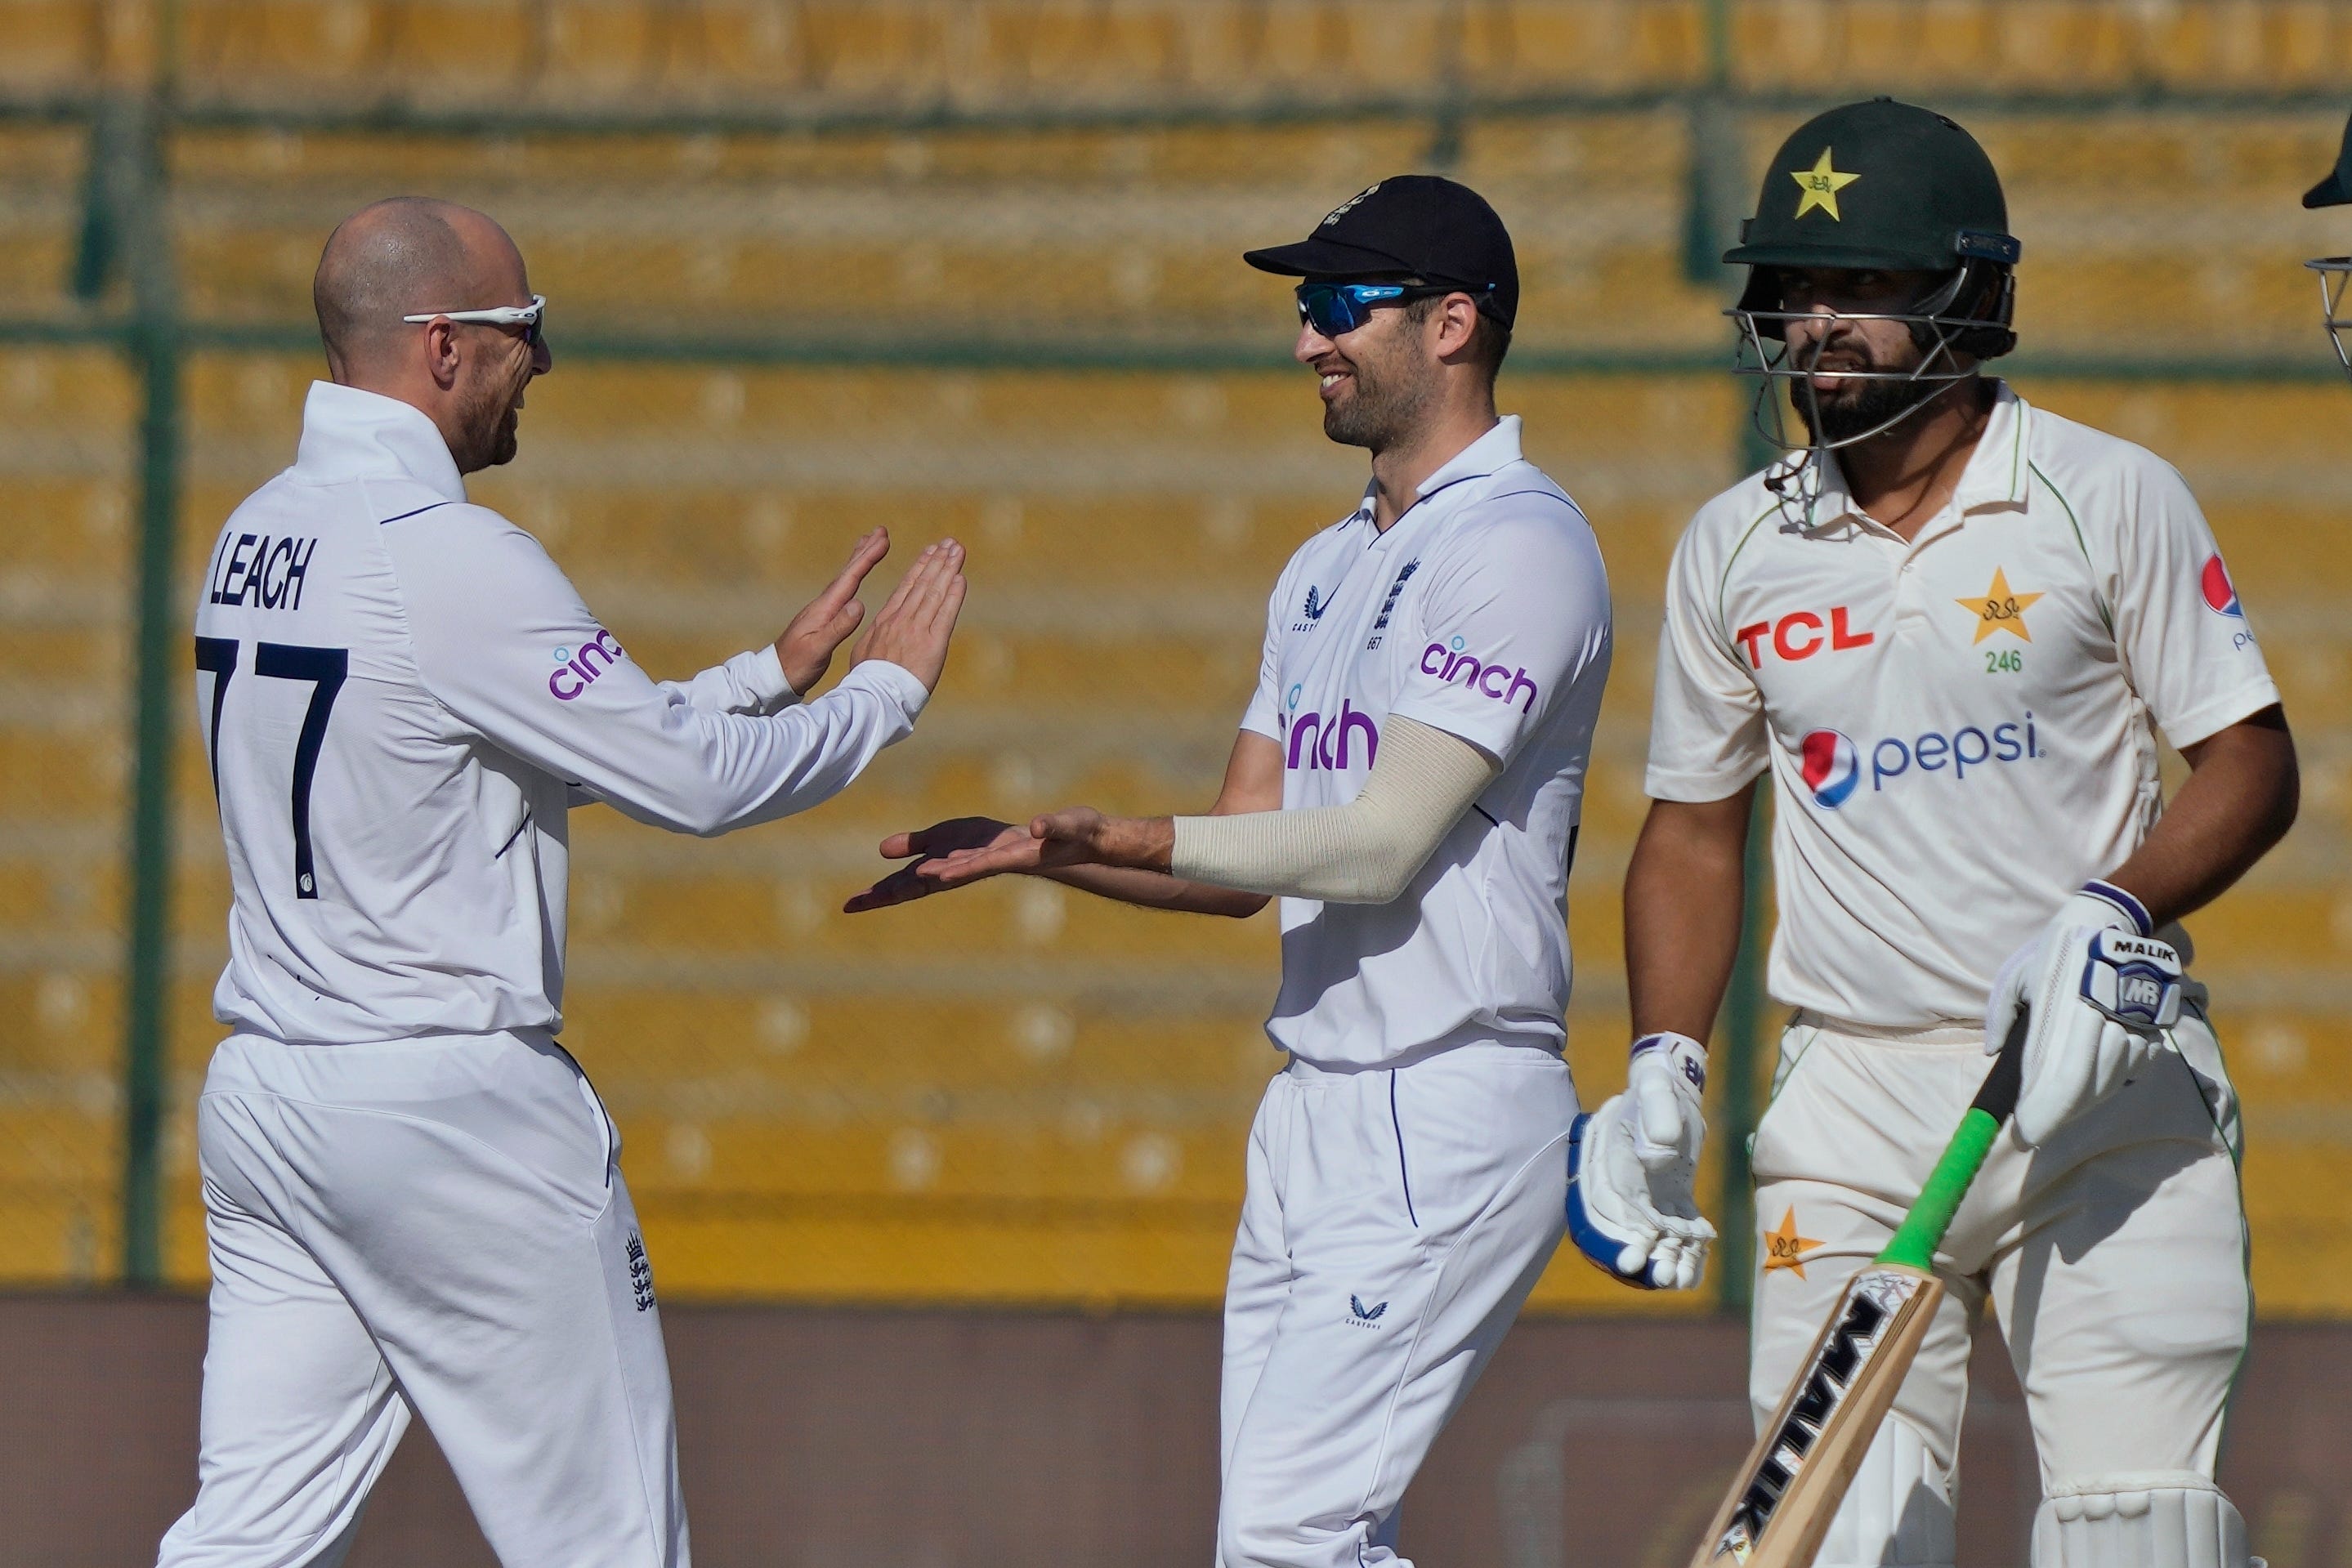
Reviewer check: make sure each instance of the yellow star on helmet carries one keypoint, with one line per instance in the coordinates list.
(1784, 1248)
(1820, 185)
(1999, 610)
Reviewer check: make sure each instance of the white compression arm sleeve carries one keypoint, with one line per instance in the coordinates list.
(1366, 852)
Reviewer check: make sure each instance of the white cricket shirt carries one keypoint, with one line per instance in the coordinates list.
(1482, 611)
(402, 695)
(1962, 729)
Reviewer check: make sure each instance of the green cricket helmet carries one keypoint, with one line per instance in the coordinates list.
(2335, 271)
(1879, 186)
(1888, 187)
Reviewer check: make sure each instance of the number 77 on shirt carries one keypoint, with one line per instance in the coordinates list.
(1788, 1489)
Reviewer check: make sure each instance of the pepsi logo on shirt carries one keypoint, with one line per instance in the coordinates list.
(1831, 765)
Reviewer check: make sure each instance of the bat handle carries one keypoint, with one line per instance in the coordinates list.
(1998, 1097)
(1921, 1231)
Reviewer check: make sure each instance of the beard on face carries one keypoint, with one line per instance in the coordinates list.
(1858, 408)
(1851, 409)
(1384, 405)
(489, 417)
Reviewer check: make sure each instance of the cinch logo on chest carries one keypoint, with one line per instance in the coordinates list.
(1449, 663)
(1315, 745)
(1800, 634)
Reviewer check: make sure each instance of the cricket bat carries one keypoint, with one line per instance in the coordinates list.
(1788, 1489)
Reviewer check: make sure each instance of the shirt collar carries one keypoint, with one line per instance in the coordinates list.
(348, 433)
(1996, 473)
(1492, 452)
(1995, 476)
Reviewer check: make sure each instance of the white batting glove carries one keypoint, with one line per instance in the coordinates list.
(2103, 993)
(1631, 1208)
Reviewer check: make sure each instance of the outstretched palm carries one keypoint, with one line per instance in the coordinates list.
(924, 847)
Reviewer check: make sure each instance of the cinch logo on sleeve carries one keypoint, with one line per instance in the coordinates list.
(576, 669)
(1449, 663)
(1832, 766)
(1801, 634)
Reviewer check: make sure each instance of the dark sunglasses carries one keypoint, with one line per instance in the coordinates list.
(1332, 309)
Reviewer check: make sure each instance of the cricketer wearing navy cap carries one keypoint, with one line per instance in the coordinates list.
(1415, 241)
(1421, 226)
(1407, 779)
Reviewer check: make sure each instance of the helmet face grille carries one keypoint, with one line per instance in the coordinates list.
(2334, 273)
(1964, 321)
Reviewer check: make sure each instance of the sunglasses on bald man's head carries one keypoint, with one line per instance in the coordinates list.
(530, 318)
(1332, 309)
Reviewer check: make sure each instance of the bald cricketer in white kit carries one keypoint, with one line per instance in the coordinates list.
(412, 1196)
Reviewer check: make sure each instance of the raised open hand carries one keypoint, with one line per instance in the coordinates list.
(907, 884)
(912, 629)
(807, 646)
(1076, 835)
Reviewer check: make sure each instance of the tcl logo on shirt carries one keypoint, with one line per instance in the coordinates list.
(1801, 634)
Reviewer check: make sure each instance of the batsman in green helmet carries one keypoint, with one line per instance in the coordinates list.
(1957, 630)
(1881, 279)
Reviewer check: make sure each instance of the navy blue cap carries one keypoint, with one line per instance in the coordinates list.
(1421, 225)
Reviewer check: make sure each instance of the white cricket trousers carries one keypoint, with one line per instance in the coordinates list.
(1393, 1222)
(435, 1226)
(2113, 1257)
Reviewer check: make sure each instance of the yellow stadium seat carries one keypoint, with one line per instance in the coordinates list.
(56, 1145)
(58, 1235)
(60, 776)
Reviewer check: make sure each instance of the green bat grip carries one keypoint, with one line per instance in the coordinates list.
(1915, 1241)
